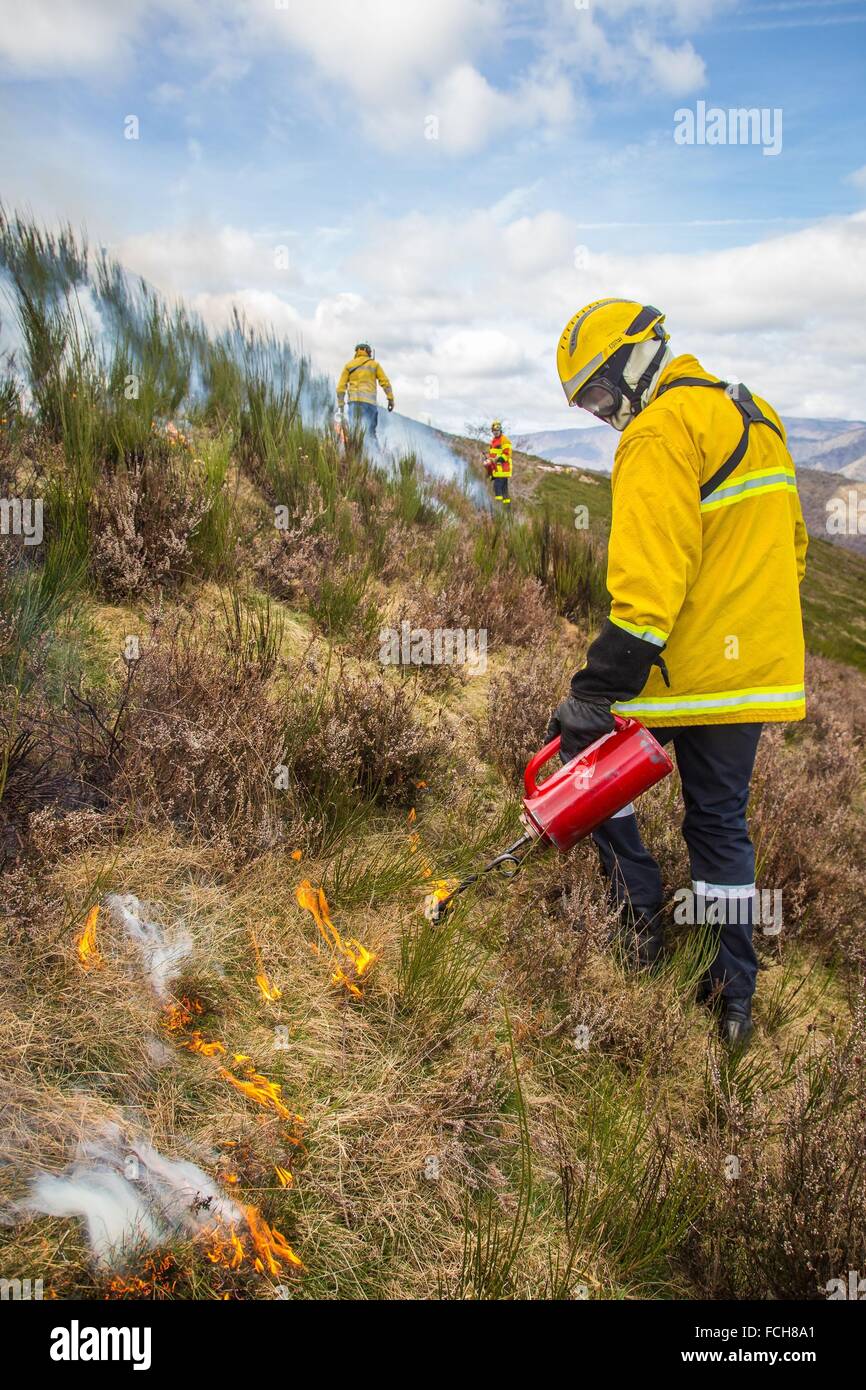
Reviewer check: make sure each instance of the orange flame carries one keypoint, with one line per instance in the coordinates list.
(88, 951)
(158, 1280)
(260, 1089)
(270, 991)
(196, 1043)
(269, 1249)
(357, 956)
(179, 1013)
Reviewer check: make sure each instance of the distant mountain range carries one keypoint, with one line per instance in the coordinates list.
(831, 446)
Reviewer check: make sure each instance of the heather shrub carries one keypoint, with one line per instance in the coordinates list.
(806, 789)
(366, 739)
(295, 558)
(202, 734)
(793, 1221)
(144, 519)
(520, 701)
(506, 604)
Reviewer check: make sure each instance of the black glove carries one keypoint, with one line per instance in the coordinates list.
(579, 723)
(617, 666)
(390, 406)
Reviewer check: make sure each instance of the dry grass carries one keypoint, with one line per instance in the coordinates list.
(501, 1110)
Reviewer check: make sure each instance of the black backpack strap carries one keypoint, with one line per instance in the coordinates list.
(751, 415)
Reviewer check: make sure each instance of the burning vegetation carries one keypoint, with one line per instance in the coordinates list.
(220, 1088)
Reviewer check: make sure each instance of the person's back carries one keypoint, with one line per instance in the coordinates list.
(742, 658)
(360, 378)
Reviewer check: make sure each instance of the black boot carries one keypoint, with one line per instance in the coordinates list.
(737, 1026)
(648, 948)
(641, 945)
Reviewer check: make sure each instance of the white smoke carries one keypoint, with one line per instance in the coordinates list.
(161, 956)
(399, 434)
(129, 1197)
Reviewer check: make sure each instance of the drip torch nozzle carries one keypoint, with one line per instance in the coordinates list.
(508, 863)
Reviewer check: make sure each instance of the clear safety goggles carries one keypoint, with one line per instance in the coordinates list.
(601, 398)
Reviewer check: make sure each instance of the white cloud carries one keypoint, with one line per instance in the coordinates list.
(42, 36)
(478, 306)
(857, 177)
(676, 70)
(188, 259)
(387, 65)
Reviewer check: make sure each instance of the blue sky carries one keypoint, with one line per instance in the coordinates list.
(554, 178)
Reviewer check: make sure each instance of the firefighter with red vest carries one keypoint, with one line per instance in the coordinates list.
(498, 463)
(704, 639)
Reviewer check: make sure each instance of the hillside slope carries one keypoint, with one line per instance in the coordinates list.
(239, 1061)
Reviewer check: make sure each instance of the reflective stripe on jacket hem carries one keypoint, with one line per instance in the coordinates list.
(722, 702)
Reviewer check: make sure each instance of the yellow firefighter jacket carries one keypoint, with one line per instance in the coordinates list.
(712, 579)
(360, 376)
(500, 455)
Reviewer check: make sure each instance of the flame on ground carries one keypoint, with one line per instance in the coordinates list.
(159, 1280)
(269, 990)
(88, 951)
(268, 1248)
(349, 952)
(196, 1043)
(180, 1012)
(251, 1084)
(260, 1089)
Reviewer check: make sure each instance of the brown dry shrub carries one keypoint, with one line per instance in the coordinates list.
(808, 829)
(208, 742)
(520, 702)
(368, 740)
(294, 561)
(201, 738)
(53, 758)
(561, 957)
(143, 521)
(794, 1220)
(837, 692)
(506, 604)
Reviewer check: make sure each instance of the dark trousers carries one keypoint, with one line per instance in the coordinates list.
(500, 489)
(715, 764)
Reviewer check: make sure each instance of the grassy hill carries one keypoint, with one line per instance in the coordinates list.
(223, 804)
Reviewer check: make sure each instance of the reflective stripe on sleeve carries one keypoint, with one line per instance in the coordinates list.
(648, 634)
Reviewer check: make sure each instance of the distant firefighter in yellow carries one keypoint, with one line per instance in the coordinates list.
(361, 377)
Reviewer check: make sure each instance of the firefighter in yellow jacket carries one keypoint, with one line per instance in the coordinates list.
(704, 640)
(499, 463)
(360, 378)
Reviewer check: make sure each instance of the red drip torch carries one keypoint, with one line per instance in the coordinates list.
(577, 798)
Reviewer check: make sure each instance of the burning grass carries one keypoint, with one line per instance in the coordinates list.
(215, 859)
